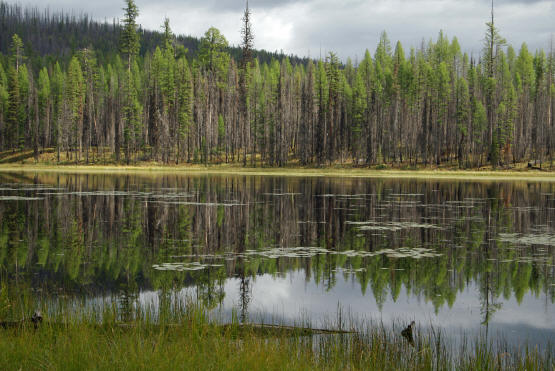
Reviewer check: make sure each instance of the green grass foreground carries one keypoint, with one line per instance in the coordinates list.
(190, 341)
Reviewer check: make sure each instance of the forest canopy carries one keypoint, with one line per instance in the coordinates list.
(95, 92)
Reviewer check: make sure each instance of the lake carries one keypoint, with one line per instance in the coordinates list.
(464, 256)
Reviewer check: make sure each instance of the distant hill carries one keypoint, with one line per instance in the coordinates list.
(58, 35)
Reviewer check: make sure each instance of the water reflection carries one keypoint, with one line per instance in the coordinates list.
(458, 253)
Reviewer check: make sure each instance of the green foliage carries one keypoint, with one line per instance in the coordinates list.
(525, 70)
(443, 89)
(4, 99)
(479, 120)
(57, 88)
(333, 76)
(507, 109)
(24, 108)
(221, 129)
(16, 51)
(212, 53)
(360, 100)
(185, 97)
(184, 335)
(168, 35)
(130, 43)
(492, 43)
(155, 100)
(463, 106)
(322, 86)
(14, 106)
(132, 109)
(44, 87)
(75, 91)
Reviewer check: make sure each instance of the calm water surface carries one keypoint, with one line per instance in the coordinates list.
(460, 255)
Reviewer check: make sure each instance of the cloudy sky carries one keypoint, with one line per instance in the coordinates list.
(348, 27)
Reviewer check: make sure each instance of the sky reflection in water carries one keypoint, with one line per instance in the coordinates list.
(464, 256)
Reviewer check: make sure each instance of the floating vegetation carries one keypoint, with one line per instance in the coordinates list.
(183, 267)
(528, 239)
(40, 189)
(286, 252)
(203, 256)
(413, 253)
(92, 193)
(390, 226)
(172, 195)
(19, 198)
(206, 204)
(308, 252)
(349, 270)
(407, 194)
(282, 194)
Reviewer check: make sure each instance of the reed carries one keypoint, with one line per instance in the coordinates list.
(184, 336)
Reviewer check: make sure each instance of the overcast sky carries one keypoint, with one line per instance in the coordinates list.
(347, 27)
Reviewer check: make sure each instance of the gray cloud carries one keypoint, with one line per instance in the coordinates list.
(236, 5)
(348, 26)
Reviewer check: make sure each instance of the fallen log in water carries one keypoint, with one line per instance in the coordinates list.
(233, 329)
(35, 321)
(281, 330)
(256, 329)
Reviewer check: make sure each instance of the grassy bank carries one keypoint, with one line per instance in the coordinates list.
(181, 336)
(350, 172)
(195, 344)
(47, 162)
(199, 346)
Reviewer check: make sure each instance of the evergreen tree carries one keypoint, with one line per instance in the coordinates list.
(247, 45)
(185, 110)
(492, 44)
(129, 46)
(212, 53)
(14, 102)
(463, 118)
(44, 96)
(25, 106)
(4, 99)
(57, 89)
(16, 50)
(74, 97)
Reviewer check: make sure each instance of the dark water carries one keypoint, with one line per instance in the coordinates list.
(460, 255)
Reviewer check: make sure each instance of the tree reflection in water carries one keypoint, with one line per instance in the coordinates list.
(88, 235)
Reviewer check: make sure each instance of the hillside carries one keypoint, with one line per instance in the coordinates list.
(58, 35)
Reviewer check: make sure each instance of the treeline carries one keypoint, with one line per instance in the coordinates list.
(430, 105)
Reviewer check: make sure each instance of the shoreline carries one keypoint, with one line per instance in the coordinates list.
(526, 175)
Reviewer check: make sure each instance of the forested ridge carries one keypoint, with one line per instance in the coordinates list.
(114, 92)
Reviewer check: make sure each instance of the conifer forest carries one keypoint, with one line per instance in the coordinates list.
(92, 92)
(174, 194)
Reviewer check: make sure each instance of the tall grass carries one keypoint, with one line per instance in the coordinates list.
(182, 336)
